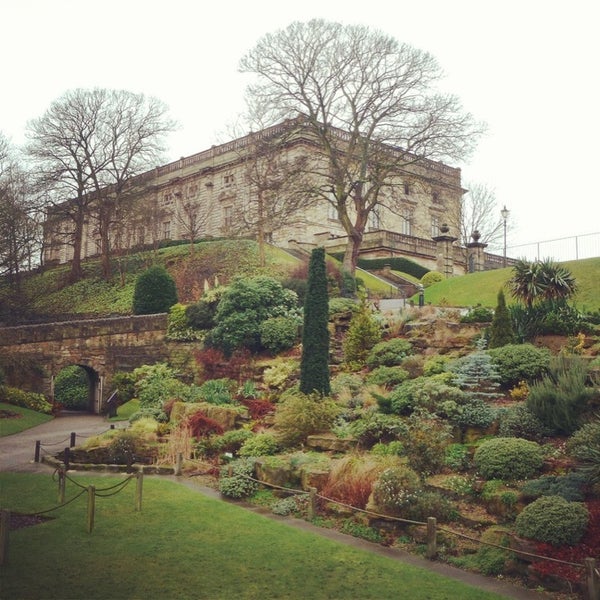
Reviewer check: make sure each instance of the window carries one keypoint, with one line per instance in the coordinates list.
(228, 216)
(166, 230)
(192, 191)
(435, 226)
(168, 199)
(406, 222)
(228, 180)
(374, 220)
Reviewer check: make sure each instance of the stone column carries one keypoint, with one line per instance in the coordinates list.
(476, 254)
(444, 251)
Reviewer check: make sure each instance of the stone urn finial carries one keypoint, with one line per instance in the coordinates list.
(476, 235)
(444, 228)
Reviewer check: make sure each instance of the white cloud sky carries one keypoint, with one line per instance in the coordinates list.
(529, 68)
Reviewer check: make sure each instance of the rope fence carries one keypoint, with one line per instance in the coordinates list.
(92, 494)
(591, 570)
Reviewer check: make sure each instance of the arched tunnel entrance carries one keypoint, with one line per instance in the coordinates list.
(78, 387)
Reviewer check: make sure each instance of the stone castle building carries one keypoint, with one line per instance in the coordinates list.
(217, 192)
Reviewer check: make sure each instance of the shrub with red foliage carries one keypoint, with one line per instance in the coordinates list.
(588, 547)
(258, 408)
(202, 426)
(215, 366)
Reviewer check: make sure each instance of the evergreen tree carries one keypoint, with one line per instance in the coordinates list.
(314, 367)
(363, 333)
(477, 375)
(501, 331)
(155, 292)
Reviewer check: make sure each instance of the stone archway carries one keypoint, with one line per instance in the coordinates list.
(95, 386)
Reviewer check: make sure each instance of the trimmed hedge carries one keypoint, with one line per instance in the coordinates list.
(508, 458)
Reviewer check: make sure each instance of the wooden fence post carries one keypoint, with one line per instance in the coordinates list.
(312, 503)
(73, 439)
(431, 538)
(178, 463)
(67, 458)
(36, 456)
(138, 491)
(592, 579)
(4, 529)
(91, 507)
(62, 478)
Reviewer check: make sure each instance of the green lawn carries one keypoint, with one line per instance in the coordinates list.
(28, 418)
(482, 288)
(185, 545)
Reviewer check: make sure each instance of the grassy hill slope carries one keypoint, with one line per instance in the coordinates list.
(482, 288)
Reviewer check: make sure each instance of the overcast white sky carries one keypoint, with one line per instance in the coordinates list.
(529, 68)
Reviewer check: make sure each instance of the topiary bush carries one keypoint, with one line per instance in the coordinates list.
(508, 458)
(154, 292)
(389, 353)
(517, 362)
(553, 520)
(431, 277)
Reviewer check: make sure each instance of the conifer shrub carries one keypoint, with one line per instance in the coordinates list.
(519, 422)
(585, 438)
(508, 459)
(261, 444)
(387, 376)
(569, 486)
(377, 428)
(389, 353)
(363, 333)
(154, 292)
(314, 364)
(561, 397)
(299, 415)
(501, 331)
(553, 520)
(519, 362)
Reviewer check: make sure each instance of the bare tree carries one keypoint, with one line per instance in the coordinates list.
(479, 212)
(370, 104)
(276, 191)
(88, 148)
(192, 219)
(20, 228)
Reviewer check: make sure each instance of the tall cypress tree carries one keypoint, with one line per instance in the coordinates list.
(501, 331)
(314, 368)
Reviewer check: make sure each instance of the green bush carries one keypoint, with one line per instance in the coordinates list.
(435, 365)
(569, 486)
(244, 305)
(491, 560)
(553, 520)
(375, 427)
(230, 441)
(30, 400)
(396, 489)
(478, 314)
(431, 277)
(234, 479)
(279, 333)
(363, 333)
(285, 506)
(201, 314)
(585, 438)
(72, 388)
(387, 376)
(299, 415)
(178, 327)
(430, 503)
(341, 306)
(424, 392)
(124, 383)
(519, 362)
(561, 397)
(282, 373)
(216, 391)
(425, 443)
(457, 457)
(389, 353)
(154, 292)
(519, 422)
(261, 444)
(156, 384)
(508, 458)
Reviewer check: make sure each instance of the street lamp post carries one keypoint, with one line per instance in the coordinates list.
(504, 212)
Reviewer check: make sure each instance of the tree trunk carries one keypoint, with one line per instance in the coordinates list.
(352, 252)
(76, 271)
